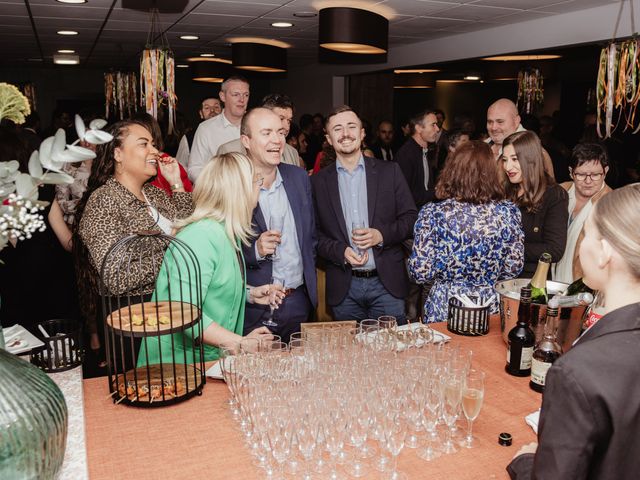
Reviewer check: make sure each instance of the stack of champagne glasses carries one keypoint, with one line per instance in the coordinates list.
(345, 402)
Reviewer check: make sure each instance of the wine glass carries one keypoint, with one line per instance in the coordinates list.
(395, 431)
(279, 434)
(431, 411)
(472, 396)
(271, 320)
(276, 222)
(357, 225)
(452, 398)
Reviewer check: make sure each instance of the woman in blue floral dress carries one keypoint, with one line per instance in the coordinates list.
(471, 238)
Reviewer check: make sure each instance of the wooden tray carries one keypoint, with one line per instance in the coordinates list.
(186, 382)
(174, 314)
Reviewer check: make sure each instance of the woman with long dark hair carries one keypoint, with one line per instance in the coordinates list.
(542, 202)
(118, 201)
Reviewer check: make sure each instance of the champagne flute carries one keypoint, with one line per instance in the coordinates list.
(357, 225)
(276, 222)
(472, 396)
(271, 321)
(451, 406)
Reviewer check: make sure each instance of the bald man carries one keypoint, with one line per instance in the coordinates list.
(503, 120)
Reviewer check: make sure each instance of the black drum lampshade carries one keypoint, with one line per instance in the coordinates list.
(352, 30)
(210, 70)
(259, 57)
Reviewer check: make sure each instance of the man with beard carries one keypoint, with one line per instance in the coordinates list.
(364, 211)
(285, 193)
(503, 120)
(382, 148)
(413, 156)
(209, 108)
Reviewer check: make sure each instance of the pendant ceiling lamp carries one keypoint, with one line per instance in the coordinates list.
(352, 30)
(210, 70)
(259, 57)
(414, 80)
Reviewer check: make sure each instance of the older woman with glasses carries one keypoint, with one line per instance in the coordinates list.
(588, 169)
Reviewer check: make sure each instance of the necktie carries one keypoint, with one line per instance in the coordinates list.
(425, 164)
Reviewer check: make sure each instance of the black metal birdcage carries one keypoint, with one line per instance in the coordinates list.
(153, 331)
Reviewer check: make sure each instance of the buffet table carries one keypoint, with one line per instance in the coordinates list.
(199, 439)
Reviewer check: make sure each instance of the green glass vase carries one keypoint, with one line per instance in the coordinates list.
(33, 421)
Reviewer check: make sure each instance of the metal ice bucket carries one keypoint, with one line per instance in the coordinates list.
(570, 318)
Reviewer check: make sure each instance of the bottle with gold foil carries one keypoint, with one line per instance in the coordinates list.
(547, 351)
(539, 281)
(521, 339)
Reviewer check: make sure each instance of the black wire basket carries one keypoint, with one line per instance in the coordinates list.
(62, 349)
(470, 321)
(140, 320)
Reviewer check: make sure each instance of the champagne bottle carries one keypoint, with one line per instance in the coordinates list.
(577, 300)
(578, 286)
(539, 280)
(521, 339)
(547, 351)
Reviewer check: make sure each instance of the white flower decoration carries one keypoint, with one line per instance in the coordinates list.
(94, 135)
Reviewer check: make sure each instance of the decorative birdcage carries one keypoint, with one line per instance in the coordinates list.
(153, 336)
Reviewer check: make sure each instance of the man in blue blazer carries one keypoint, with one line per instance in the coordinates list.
(285, 242)
(364, 211)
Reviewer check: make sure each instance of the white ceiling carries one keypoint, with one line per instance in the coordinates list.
(112, 36)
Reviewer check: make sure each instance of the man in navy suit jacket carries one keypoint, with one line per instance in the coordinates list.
(364, 211)
(285, 193)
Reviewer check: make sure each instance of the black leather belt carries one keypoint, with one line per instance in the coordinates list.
(364, 273)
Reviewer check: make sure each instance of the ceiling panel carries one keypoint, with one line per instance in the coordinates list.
(18, 9)
(203, 21)
(573, 5)
(520, 4)
(521, 17)
(15, 21)
(422, 25)
(475, 13)
(235, 8)
(418, 7)
(69, 11)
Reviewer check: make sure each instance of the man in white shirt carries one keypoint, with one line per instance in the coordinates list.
(222, 128)
(209, 108)
(503, 120)
(282, 106)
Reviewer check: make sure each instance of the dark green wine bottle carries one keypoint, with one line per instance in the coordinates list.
(539, 281)
(578, 287)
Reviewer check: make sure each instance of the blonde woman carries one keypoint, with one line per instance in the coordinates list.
(224, 198)
(590, 409)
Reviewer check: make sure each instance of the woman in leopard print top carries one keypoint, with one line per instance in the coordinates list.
(119, 201)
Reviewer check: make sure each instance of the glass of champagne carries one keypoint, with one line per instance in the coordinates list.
(472, 396)
(271, 321)
(276, 222)
(357, 225)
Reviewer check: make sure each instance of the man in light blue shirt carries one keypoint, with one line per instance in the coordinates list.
(364, 212)
(284, 226)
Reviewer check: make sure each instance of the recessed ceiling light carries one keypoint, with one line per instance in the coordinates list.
(66, 59)
(182, 65)
(305, 14)
(472, 77)
(189, 37)
(207, 55)
(282, 24)
(512, 58)
(66, 51)
(67, 32)
(71, 1)
(416, 70)
(413, 86)
(200, 59)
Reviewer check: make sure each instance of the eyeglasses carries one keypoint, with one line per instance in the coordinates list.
(594, 177)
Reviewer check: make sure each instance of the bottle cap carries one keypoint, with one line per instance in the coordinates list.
(505, 439)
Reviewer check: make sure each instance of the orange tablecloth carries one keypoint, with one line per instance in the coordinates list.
(198, 439)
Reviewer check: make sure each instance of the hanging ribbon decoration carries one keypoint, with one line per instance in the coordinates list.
(530, 90)
(121, 96)
(157, 74)
(29, 90)
(617, 89)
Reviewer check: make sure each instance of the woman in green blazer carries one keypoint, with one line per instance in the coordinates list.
(224, 198)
